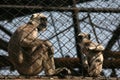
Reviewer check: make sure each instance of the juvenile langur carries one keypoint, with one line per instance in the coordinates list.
(29, 54)
(92, 56)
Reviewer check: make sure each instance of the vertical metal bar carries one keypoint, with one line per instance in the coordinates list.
(76, 31)
(93, 28)
(57, 35)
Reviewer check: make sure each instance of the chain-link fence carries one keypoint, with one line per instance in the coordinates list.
(66, 18)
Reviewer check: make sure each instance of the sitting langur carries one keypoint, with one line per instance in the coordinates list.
(30, 55)
(92, 57)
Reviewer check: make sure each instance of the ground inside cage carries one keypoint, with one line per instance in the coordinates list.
(57, 78)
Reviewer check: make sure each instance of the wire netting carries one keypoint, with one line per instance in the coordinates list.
(100, 18)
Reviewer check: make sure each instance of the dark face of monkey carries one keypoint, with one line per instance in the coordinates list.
(43, 24)
(84, 39)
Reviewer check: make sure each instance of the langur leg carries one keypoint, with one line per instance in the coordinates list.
(49, 65)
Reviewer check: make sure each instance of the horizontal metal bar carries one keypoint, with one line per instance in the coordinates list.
(63, 9)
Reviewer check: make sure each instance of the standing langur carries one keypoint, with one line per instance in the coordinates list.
(92, 56)
(29, 54)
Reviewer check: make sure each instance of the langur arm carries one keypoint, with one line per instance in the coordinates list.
(29, 40)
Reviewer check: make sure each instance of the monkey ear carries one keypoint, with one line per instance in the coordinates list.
(80, 37)
(34, 16)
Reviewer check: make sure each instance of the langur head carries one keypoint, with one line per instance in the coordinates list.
(86, 43)
(84, 39)
(41, 21)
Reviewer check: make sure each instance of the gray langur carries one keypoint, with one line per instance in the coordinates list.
(92, 56)
(29, 54)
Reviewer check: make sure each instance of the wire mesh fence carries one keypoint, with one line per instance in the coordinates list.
(100, 18)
